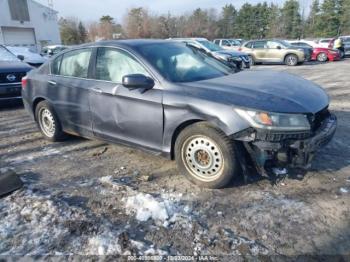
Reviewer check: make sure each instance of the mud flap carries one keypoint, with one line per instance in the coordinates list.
(9, 182)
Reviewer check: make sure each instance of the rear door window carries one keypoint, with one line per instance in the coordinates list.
(76, 63)
(259, 45)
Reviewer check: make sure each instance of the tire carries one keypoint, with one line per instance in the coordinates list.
(291, 60)
(206, 156)
(251, 61)
(48, 122)
(322, 57)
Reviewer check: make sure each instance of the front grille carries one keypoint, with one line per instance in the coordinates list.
(277, 137)
(317, 119)
(18, 75)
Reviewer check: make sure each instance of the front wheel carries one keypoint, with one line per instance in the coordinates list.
(291, 60)
(206, 156)
(322, 57)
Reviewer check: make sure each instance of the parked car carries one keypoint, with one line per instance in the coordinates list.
(163, 97)
(240, 59)
(273, 51)
(208, 56)
(320, 54)
(326, 42)
(52, 50)
(31, 57)
(346, 41)
(12, 69)
(230, 44)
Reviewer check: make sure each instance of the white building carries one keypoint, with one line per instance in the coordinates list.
(28, 23)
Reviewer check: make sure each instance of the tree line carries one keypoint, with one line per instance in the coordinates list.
(327, 18)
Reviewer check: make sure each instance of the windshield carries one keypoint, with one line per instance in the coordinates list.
(210, 45)
(178, 63)
(6, 55)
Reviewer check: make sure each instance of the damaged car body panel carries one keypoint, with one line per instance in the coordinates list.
(281, 120)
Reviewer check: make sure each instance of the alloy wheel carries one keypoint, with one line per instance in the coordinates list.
(292, 60)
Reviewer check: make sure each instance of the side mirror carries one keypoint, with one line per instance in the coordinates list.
(20, 57)
(136, 81)
(278, 47)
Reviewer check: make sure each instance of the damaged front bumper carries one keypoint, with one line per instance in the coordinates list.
(282, 150)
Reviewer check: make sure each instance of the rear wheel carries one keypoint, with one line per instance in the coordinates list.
(206, 156)
(322, 57)
(291, 60)
(251, 61)
(48, 122)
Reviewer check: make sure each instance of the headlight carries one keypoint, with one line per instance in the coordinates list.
(275, 121)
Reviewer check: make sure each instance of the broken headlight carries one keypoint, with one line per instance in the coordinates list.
(275, 121)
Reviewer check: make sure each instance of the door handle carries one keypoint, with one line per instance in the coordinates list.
(97, 90)
(53, 83)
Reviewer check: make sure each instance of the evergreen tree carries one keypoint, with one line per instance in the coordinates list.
(291, 19)
(82, 33)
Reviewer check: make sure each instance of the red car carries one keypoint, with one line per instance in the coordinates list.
(321, 54)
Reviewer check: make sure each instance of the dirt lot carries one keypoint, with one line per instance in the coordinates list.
(88, 197)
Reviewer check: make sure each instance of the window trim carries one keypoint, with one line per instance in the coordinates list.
(74, 50)
(92, 62)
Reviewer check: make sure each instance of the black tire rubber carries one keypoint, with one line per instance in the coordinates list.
(320, 60)
(59, 135)
(252, 62)
(291, 55)
(231, 165)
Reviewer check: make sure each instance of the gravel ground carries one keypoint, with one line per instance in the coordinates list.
(91, 198)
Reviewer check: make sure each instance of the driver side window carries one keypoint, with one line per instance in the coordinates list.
(273, 45)
(113, 64)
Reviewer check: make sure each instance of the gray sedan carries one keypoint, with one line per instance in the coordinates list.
(165, 98)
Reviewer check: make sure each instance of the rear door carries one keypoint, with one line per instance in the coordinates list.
(69, 87)
(119, 113)
(259, 49)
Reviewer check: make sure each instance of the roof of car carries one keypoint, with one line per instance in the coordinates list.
(128, 42)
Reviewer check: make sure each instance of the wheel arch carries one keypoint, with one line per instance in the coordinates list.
(35, 103)
(177, 132)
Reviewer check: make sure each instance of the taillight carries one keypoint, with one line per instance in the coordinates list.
(24, 82)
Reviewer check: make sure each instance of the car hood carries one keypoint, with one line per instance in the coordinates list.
(13, 67)
(263, 90)
(230, 52)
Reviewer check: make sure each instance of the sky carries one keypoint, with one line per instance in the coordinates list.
(89, 10)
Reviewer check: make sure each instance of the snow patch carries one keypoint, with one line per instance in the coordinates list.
(147, 207)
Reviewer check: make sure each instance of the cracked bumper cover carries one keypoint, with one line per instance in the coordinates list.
(291, 152)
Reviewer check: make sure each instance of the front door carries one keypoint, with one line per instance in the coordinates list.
(121, 114)
(259, 49)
